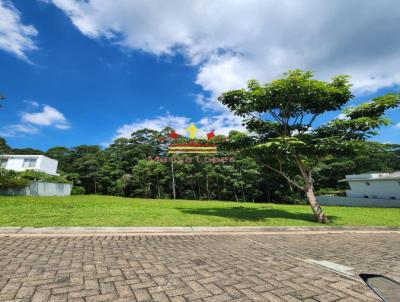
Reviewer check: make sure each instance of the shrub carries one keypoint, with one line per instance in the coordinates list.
(10, 179)
(13, 183)
(43, 177)
(76, 190)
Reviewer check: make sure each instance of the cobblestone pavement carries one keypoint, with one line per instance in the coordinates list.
(225, 267)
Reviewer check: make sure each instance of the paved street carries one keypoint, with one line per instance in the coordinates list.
(219, 267)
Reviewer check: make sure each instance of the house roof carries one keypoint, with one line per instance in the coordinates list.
(20, 156)
(372, 177)
(26, 156)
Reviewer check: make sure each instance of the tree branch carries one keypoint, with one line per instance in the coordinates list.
(280, 173)
(311, 121)
(306, 174)
(276, 117)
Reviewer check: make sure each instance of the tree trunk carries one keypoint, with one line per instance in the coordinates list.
(198, 184)
(158, 187)
(194, 193)
(241, 185)
(234, 191)
(312, 200)
(149, 189)
(173, 179)
(218, 189)
(208, 191)
(309, 190)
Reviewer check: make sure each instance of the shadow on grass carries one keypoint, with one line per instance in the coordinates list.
(252, 214)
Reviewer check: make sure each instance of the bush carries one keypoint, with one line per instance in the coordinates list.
(10, 179)
(13, 183)
(76, 190)
(43, 177)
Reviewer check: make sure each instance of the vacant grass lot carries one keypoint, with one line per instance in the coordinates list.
(116, 211)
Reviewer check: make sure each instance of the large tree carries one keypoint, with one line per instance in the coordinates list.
(286, 133)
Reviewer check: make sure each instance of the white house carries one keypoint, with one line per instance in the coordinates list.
(378, 190)
(29, 162)
(374, 185)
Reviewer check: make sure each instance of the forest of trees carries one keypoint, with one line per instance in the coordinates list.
(285, 155)
(123, 169)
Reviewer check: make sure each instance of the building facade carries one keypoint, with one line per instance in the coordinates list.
(20, 163)
(374, 185)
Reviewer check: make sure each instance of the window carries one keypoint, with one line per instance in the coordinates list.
(29, 162)
(367, 183)
(3, 163)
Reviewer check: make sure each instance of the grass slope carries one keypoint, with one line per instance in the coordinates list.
(117, 211)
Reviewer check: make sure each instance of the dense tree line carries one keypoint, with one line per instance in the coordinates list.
(123, 169)
(286, 155)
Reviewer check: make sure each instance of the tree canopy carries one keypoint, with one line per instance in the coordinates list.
(285, 133)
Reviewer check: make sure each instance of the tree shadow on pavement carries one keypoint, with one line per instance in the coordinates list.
(251, 214)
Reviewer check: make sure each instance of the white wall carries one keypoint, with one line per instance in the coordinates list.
(40, 189)
(384, 188)
(47, 165)
(358, 202)
(15, 164)
(43, 163)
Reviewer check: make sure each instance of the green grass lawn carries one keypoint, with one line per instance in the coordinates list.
(116, 211)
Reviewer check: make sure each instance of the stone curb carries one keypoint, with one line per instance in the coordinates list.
(191, 230)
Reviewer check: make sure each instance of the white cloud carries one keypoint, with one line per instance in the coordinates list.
(32, 122)
(49, 116)
(397, 126)
(342, 116)
(232, 42)
(158, 123)
(18, 129)
(222, 124)
(15, 37)
(31, 103)
(65, 126)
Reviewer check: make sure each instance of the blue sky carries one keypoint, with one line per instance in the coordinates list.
(85, 72)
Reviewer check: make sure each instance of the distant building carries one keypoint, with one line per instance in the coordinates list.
(374, 185)
(38, 163)
(380, 190)
(20, 163)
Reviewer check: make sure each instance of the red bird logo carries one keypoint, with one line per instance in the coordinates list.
(210, 135)
(173, 134)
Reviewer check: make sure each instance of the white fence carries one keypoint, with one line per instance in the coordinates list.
(358, 202)
(40, 189)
